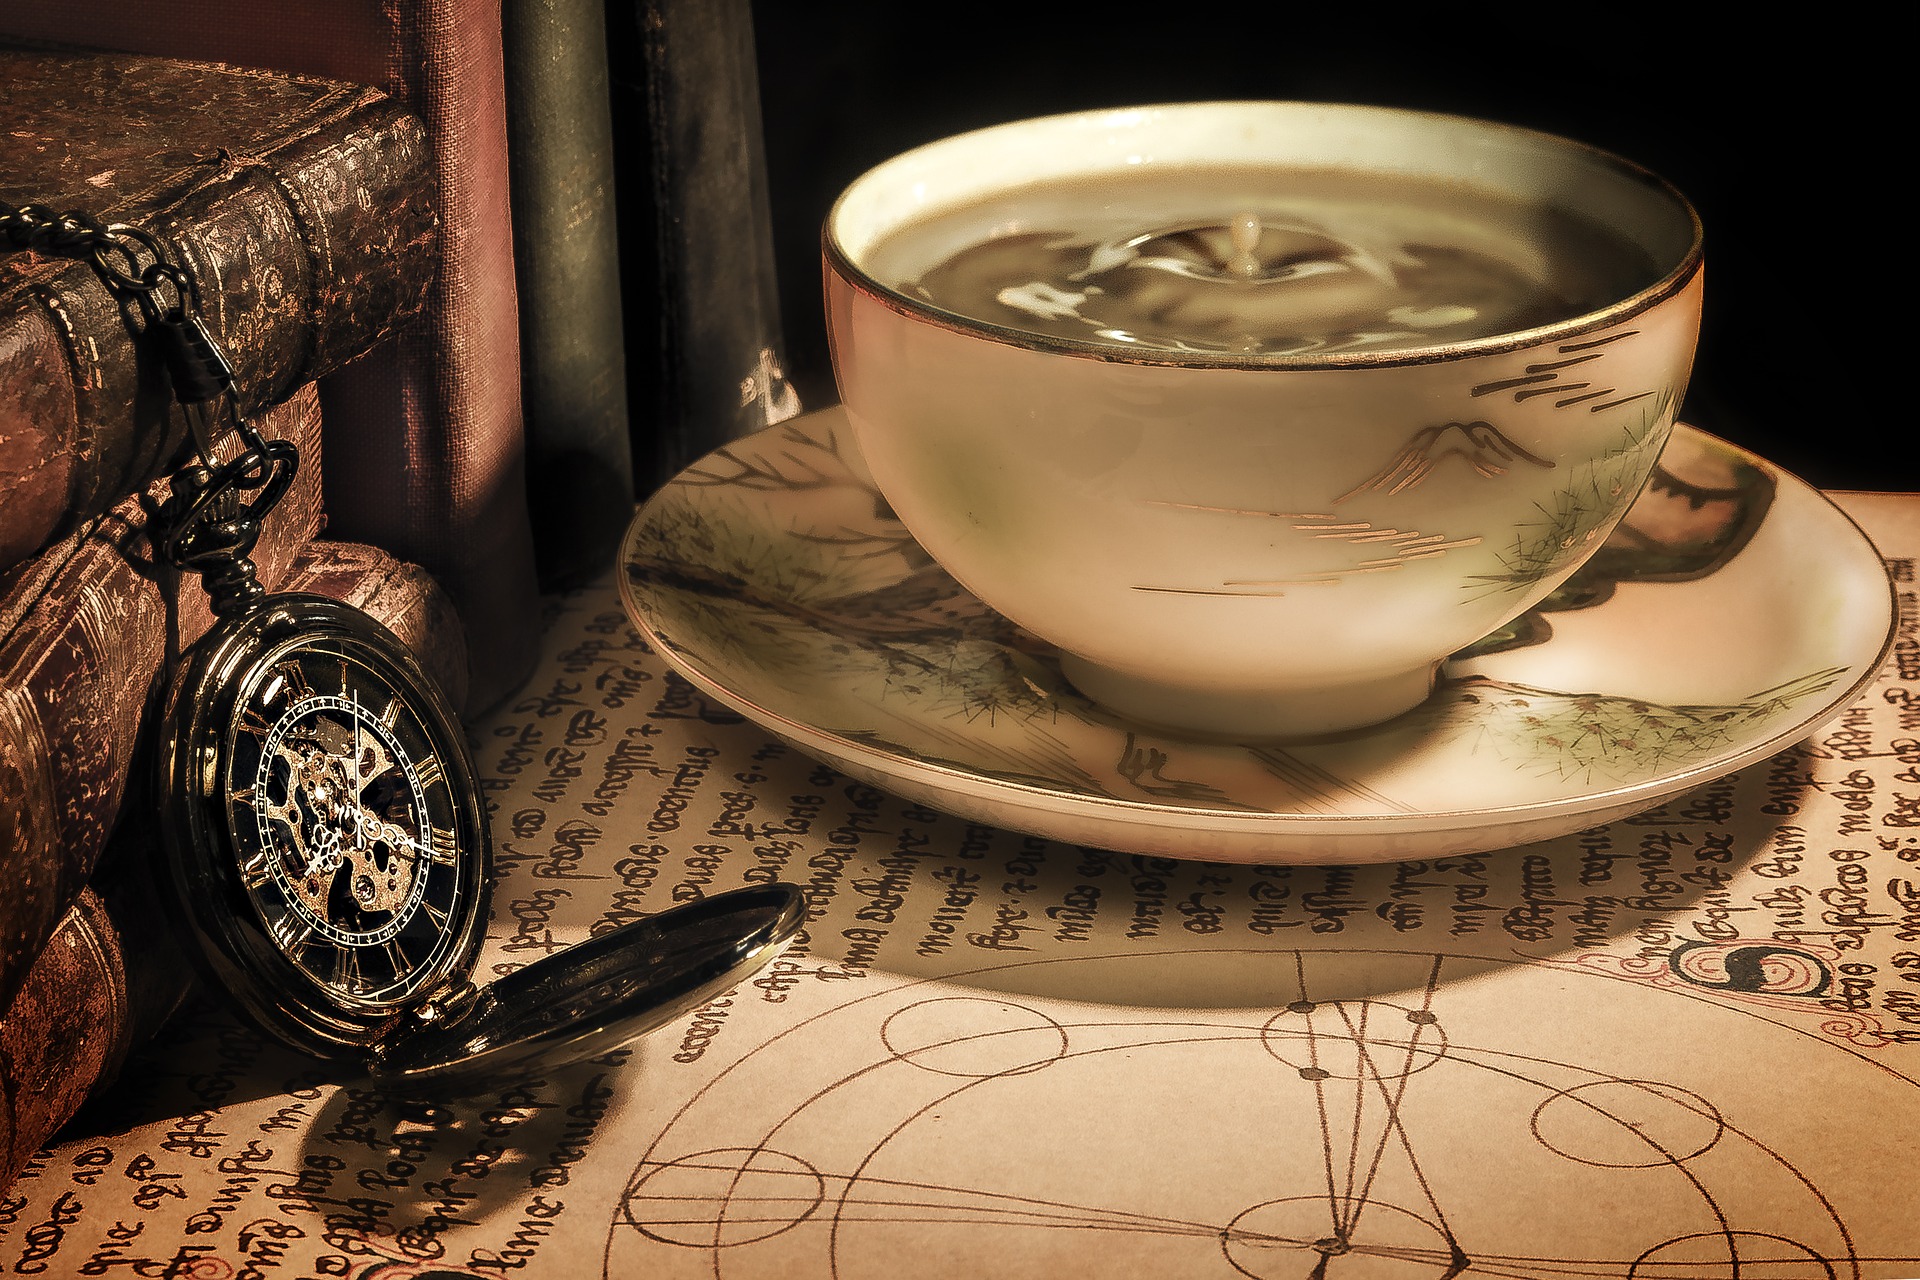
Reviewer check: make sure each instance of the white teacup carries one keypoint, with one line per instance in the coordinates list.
(1257, 450)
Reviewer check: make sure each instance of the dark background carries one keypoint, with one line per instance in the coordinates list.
(1767, 128)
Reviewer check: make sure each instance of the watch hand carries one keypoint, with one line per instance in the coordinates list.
(390, 832)
(358, 749)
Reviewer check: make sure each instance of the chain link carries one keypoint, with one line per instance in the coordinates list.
(129, 259)
(210, 522)
(133, 264)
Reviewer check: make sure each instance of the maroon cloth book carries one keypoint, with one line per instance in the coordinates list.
(426, 435)
(302, 206)
(85, 627)
(113, 971)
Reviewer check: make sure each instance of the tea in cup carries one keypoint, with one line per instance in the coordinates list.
(1257, 411)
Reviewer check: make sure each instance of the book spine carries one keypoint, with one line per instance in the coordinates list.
(315, 250)
(112, 972)
(308, 252)
(85, 626)
(566, 256)
(712, 346)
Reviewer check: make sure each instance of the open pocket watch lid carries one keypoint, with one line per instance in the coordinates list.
(596, 995)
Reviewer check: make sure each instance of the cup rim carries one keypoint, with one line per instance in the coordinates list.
(839, 262)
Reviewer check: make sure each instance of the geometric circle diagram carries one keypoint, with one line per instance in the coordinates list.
(1732, 1253)
(1344, 1115)
(783, 1189)
(1627, 1124)
(1281, 1239)
(970, 1036)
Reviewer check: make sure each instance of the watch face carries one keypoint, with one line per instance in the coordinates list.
(337, 861)
(342, 822)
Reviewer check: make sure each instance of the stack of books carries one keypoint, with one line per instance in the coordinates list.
(307, 210)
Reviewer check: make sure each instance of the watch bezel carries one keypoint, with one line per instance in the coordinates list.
(232, 944)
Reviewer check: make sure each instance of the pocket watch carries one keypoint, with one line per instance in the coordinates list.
(327, 846)
(324, 840)
(327, 849)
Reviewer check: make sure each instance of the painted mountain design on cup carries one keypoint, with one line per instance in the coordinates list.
(1382, 547)
(1480, 444)
(1580, 511)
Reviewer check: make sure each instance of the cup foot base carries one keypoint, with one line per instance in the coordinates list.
(1252, 715)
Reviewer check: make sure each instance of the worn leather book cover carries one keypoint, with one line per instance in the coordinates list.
(113, 971)
(110, 973)
(303, 207)
(85, 626)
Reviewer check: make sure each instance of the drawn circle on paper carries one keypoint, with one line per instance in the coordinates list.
(755, 1193)
(936, 1141)
(1298, 1236)
(973, 1037)
(1627, 1124)
(1354, 1039)
(1709, 1253)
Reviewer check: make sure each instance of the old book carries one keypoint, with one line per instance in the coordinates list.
(112, 971)
(303, 206)
(566, 240)
(85, 625)
(108, 977)
(704, 335)
(425, 433)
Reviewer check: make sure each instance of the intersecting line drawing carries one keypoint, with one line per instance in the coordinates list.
(1402, 1115)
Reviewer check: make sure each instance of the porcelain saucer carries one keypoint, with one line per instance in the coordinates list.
(1735, 610)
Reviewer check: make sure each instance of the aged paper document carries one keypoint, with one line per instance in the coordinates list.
(1681, 1045)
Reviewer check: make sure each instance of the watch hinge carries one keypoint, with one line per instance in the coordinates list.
(446, 1004)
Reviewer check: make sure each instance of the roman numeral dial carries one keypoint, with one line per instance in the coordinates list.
(351, 810)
